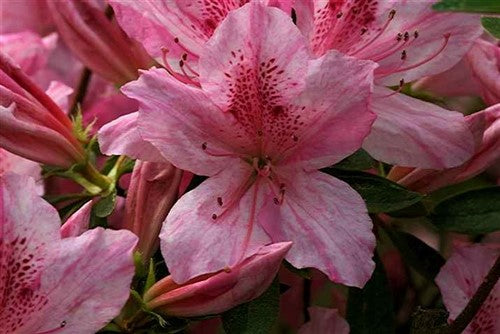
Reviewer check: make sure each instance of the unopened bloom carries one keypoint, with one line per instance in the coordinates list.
(324, 320)
(408, 40)
(260, 126)
(485, 126)
(477, 73)
(97, 41)
(51, 284)
(459, 280)
(152, 192)
(218, 292)
(33, 125)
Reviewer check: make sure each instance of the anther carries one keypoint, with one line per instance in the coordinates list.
(204, 146)
(401, 83)
(181, 63)
(276, 201)
(392, 13)
(184, 56)
(219, 201)
(403, 55)
(363, 30)
(407, 36)
(176, 40)
(63, 323)
(415, 34)
(214, 216)
(339, 15)
(399, 37)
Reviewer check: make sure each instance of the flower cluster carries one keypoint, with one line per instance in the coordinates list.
(167, 161)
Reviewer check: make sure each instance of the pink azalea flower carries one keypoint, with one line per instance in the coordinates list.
(476, 74)
(152, 192)
(261, 126)
(458, 281)
(49, 284)
(97, 41)
(486, 128)
(33, 125)
(408, 40)
(324, 320)
(219, 292)
(11, 163)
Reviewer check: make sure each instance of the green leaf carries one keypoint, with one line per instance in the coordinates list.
(424, 259)
(492, 25)
(470, 6)
(370, 310)
(359, 160)
(380, 194)
(106, 205)
(255, 317)
(473, 212)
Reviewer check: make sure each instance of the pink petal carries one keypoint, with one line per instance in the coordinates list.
(121, 136)
(11, 163)
(108, 108)
(22, 15)
(78, 222)
(324, 320)
(330, 133)
(255, 50)
(484, 61)
(413, 133)
(459, 279)
(27, 49)
(194, 243)
(180, 120)
(88, 283)
(60, 94)
(328, 224)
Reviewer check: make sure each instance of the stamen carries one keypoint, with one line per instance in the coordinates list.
(61, 326)
(214, 216)
(425, 60)
(184, 79)
(415, 34)
(401, 84)
(204, 147)
(403, 55)
(219, 201)
(382, 30)
(406, 36)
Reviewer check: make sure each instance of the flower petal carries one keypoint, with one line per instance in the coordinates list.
(255, 56)
(459, 279)
(60, 94)
(180, 120)
(328, 224)
(414, 133)
(11, 163)
(194, 243)
(88, 283)
(121, 136)
(329, 133)
(78, 222)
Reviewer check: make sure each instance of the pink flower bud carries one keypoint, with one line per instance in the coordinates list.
(32, 124)
(221, 291)
(485, 125)
(153, 190)
(98, 41)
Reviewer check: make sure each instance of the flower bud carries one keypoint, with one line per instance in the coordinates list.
(153, 190)
(221, 291)
(485, 125)
(32, 124)
(98, 41)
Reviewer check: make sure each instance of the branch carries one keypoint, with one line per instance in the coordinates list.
(468, 313)
(81, 90)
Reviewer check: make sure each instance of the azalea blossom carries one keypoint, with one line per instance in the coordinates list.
(219, 292)
(51, 284)
(260, 126)
(485, 126)
(408, 40)
(459, 279)
(324, 320)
